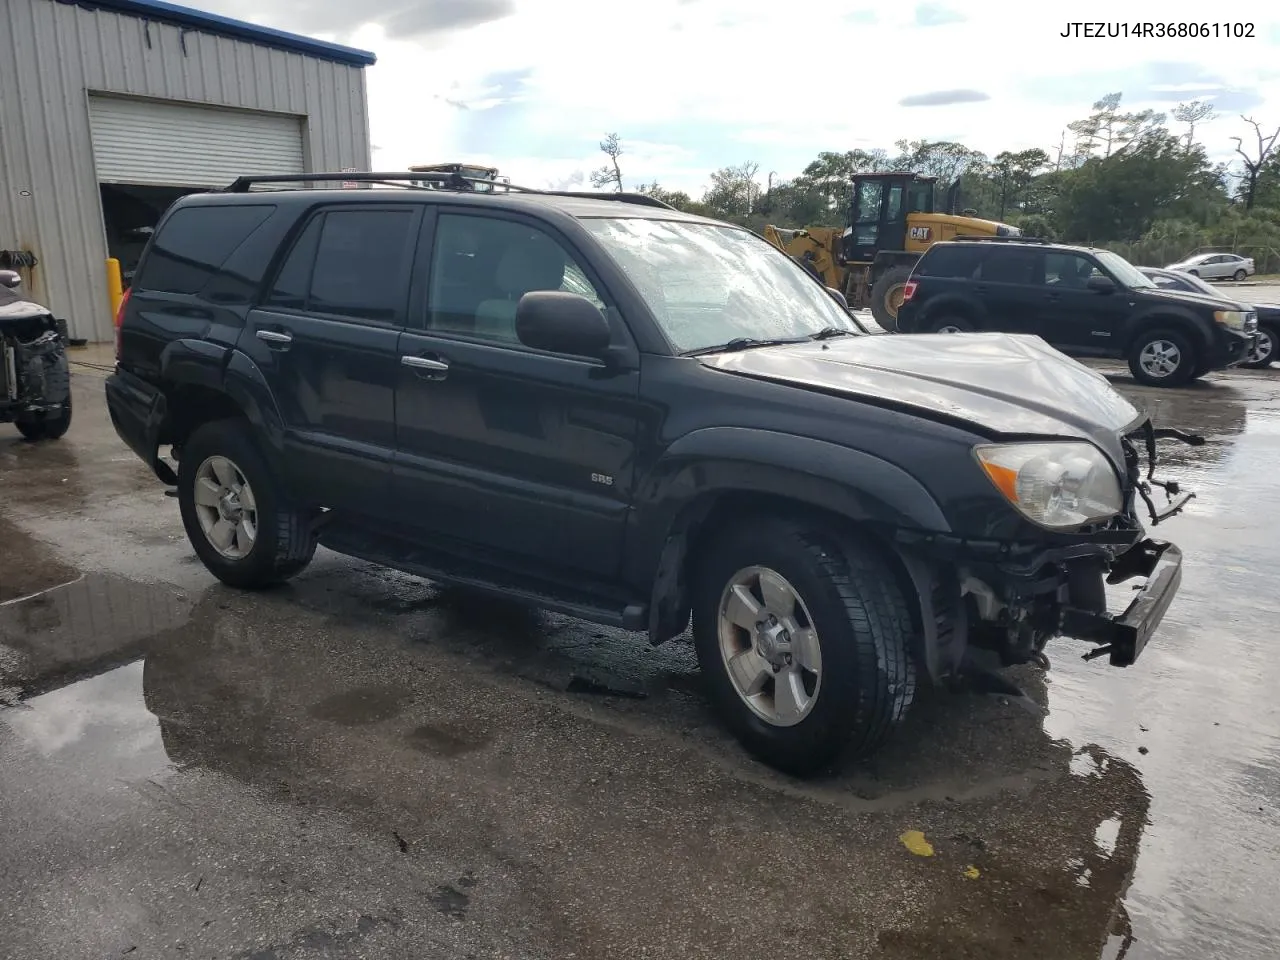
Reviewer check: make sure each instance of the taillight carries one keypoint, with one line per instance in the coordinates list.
(908, 290)
(119, 321)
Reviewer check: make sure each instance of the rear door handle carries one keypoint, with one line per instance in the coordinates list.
(429, 367)
(275, 337)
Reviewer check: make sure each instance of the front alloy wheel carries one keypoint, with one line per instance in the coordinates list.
(769, 646)
(1263, 350)
(1160, 358)
(226, 508)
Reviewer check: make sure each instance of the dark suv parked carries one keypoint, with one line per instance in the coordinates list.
(609, 408)
(1086, 302)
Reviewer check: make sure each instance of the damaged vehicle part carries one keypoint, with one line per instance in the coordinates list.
(643, 418)
(35, 378)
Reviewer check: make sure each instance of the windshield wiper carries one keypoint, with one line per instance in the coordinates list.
(742, 343)
(826, 333)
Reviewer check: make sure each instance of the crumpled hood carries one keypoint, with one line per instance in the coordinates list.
(1000, 384)
(15, 305)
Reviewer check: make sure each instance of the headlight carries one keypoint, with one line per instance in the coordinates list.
(1056, 484)
(1232, 319)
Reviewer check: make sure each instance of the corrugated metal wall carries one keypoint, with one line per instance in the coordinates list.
(52, 55)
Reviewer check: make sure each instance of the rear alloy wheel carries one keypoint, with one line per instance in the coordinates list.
(1239, 275)
(951, 325)
(803, 641)
(1264, 348)
(1162, 358)
(234, 510)
(886, 297)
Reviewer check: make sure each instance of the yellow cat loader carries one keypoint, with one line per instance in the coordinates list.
(891, 221)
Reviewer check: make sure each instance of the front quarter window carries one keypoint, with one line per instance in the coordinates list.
(708, 284)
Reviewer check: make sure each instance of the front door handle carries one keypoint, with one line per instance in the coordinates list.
(275, 337)
(428, 367)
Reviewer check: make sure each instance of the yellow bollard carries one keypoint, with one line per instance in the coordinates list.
(115, 286)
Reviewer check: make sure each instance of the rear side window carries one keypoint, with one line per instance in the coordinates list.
(195, 242)
(952, 262)
(1010, 266)
(349, 263)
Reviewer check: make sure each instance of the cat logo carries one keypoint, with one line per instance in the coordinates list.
(921, 233)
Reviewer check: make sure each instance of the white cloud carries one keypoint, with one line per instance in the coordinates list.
(785, 85)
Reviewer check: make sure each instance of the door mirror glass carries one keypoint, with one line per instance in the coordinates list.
(562, 322)
(1101, 284)
(838, 297)
(10, 279)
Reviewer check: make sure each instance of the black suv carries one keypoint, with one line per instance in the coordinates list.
(605, 407)
(1086, 302)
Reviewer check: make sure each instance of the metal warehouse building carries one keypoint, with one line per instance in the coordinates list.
(111, 109)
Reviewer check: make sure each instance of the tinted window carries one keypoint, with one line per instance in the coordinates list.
(294, 279)
(1068, 270)
(1009, 266)
(947, 261)
(482, 266)
(362, 264)
(194, 243)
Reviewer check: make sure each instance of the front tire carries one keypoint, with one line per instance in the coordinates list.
(1264, 350)
(886, 297)
(234, 510)
(804, 641)
(951, 325)
(1162, 358)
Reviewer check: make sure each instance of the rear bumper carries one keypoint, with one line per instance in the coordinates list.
(138, 411)
(1123, 636)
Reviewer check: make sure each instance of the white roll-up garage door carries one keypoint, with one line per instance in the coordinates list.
(178, 144)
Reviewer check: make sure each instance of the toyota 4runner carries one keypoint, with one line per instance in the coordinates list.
(602, 406)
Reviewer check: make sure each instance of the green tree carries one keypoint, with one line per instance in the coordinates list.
(1108, 130)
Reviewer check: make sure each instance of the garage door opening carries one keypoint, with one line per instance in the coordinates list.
(130, 212)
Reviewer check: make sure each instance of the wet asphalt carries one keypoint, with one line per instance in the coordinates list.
(362, 764)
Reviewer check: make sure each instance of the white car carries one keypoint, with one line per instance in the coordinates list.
(1216, 266)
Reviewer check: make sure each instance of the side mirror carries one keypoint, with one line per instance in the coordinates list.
(838, 297)
(10, 279)
(562, 322)
(1102, 285)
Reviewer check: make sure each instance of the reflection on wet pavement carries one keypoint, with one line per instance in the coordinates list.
(363, 764)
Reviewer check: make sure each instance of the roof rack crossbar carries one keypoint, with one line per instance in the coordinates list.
(1003, 239)
(643, 199)
(410, 178)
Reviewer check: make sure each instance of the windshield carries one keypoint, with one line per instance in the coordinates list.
(1123, 270)
(707, 284)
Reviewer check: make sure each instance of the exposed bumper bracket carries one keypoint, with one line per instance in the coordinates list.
(1123, 636)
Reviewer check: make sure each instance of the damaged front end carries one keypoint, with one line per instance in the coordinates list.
(35, 382)
(1007, 600)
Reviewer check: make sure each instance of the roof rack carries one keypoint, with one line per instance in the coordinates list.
(1004, 239)
(412, 180)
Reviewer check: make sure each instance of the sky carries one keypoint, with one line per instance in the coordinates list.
(532, 86)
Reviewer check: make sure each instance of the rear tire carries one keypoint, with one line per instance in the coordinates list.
(46, 427)
(851, 678)
(1162, 358)
(1264, 353)
(951, 325)
(886, 297)
(1239, 275)
(268, 540)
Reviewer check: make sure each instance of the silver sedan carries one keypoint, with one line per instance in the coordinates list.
(1216, 266)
